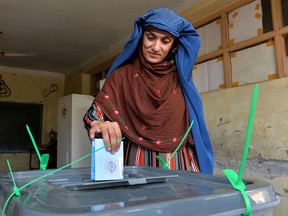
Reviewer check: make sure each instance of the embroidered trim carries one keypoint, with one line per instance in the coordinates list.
(94, 113)
(141, 139)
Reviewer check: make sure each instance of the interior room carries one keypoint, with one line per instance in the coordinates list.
(55, 55)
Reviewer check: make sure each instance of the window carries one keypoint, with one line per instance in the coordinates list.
(267, 16)
(245, 22)
(248, 38)
(284, 6)
(254, 64)
(209, 76)
(250, 21)
(210, 36)
(286, 49)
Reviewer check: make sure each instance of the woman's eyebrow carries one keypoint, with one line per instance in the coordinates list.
(162, 35)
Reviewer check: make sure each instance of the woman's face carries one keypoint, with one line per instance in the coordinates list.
(156, 45)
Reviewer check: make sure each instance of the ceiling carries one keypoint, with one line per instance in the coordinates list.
(61, 36)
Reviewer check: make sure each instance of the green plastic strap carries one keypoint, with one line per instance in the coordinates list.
(247, 203)
(44, 161)
(248, 133)
(171, 186)
(15, 189)
(233, 178)
(236, 180)
(45, 157)
(165, 164)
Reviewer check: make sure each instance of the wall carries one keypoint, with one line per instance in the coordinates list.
(77, 83)
(27, 86)
(227, 112)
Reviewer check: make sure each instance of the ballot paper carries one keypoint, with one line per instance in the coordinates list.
(104, 165)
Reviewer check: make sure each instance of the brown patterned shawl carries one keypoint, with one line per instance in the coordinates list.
(147, 102)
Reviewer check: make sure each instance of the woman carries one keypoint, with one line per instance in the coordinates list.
(149, 97)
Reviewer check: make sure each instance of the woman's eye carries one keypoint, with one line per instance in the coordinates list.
(150, 37)
(166, 41)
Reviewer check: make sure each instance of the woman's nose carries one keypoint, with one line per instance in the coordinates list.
(157, 46)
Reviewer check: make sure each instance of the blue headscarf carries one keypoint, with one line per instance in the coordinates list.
(185, 57)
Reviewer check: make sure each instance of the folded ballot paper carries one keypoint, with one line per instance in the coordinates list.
(104, 165)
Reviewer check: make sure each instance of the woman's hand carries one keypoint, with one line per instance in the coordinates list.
(111, 134)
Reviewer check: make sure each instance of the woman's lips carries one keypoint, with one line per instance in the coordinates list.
(154, 54)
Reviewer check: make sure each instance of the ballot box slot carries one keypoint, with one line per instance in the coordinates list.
(76, 184)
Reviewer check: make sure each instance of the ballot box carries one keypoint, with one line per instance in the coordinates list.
(144, 191)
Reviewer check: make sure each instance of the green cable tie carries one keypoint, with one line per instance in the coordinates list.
(164, 164)
(67, 165)
(44, 159)
(236, 180)
(171, 186)
(15, 189)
